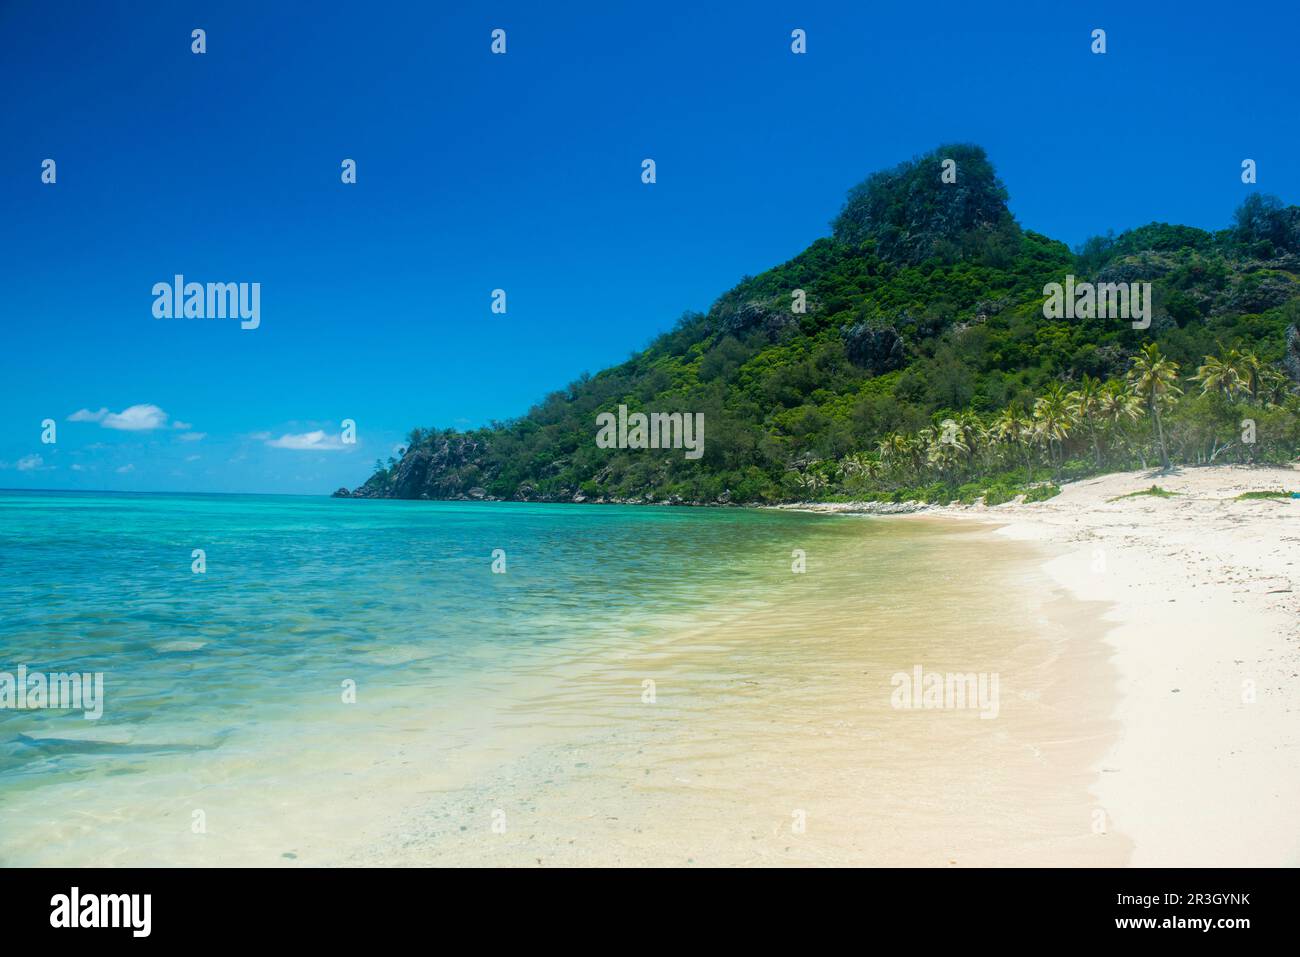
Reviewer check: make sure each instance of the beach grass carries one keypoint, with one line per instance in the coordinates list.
(1154, 491)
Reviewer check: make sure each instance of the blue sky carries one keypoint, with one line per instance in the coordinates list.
(521, 172)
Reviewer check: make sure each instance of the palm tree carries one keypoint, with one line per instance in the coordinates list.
(1011, 429)
(923, 451)
(1085, 406)
(1154, 378)
(893, 450)
(1221, 375)
(974, 435)
(1117, 405)
(947, 448)
(1250, 370)
(811, 482)
(859, 464)
(1052, 419)
(1273, 386)
(1005, 429)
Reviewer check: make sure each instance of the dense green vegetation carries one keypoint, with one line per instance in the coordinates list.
(923, 366)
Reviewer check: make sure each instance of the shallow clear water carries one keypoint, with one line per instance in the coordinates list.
(225, 736)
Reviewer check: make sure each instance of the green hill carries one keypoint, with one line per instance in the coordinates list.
(922, 365)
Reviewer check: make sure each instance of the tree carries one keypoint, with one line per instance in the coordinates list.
(1220, 375)
(859, 465)
(1116, 406)
(1265, 227)
(1154, 379)
(1014, 431)
(974, 437)
(1085, 406)
(1274, 387)
(897, 451)
(946, 448)
(810, 483)
(1249, 370)
(1052, 418)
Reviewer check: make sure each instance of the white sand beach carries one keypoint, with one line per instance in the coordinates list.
(1204, 596)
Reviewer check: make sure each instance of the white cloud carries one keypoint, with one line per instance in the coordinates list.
(135, 418)
(29, 463)
(317, 441)
(178, 424)
(192, 436)
(192, 458)
(125, 469)
(78, 467)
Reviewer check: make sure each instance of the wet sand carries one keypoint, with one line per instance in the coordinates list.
(772, 739)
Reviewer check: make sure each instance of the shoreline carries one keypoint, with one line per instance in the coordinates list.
(1203, 628)
(1122, 631)
(786, 708)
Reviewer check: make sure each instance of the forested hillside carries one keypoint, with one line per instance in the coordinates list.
(922, 365)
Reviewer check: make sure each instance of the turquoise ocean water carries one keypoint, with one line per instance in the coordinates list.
(641, 685)
(207, 676)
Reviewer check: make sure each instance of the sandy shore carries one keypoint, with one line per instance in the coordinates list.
(1149, 653)
(774, 738)
(1204, 596)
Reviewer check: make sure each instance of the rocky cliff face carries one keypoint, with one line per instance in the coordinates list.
(447, 468)
(876, 350)
(455, 469)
